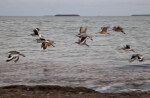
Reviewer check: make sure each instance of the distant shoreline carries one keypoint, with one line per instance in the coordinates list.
(140, 15)
(67, 15)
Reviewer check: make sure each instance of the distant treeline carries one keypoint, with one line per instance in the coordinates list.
(67, 15)
(140, 15)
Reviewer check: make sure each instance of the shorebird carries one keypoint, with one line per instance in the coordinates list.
(127, 48)
(36, 33)
(118, 29)
(14, 55)
(104, 30)
(82, 39)
(137, 56)
(83, 36)
(47, 43)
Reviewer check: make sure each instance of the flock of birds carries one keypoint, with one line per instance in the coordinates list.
(83, 36)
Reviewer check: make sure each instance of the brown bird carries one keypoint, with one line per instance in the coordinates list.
(104, 30)
(118, 29)
(47, 43)
(14, 55)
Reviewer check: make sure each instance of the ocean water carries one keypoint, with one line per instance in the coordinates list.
(102, 66)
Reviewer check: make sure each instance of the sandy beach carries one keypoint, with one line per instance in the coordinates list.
(49, 91)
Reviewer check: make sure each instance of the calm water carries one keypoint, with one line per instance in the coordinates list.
(102, 66)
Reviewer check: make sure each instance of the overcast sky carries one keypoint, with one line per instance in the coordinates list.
(81, 7)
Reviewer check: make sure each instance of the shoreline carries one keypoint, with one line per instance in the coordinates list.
(55, 91)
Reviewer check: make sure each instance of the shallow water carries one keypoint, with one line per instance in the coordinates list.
(103, 66)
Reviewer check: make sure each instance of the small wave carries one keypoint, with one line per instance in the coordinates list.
(126, 87)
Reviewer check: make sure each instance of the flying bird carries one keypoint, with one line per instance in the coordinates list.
(127, 48)
(83, 36)
(118, 29)
(104, 30)
(14, 55)
(47, 43)
(137, 56)
(82, 39)
(36, 33)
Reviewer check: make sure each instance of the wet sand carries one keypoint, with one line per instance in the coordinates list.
(48, 91)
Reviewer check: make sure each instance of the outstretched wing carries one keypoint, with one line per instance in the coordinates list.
(85, 30)
(50, 42)
(133, 58)
(11, 58)
(81, 30)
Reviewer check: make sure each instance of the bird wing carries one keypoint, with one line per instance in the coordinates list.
(40, 40)
(81, 30)
(133, 58)
(13, 52)
(16, 59)
(11, 58)
(50, 42)
(35, 32)
(85, 30)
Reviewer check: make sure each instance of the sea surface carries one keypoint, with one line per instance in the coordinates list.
(102, 66)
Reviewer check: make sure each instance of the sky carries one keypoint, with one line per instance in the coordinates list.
(81, 7)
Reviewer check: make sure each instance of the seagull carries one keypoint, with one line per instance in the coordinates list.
(36, 33)
(104, 30)
(14, 55)
(47, 43)
(118, 29)
(137, 56)
(127, 48)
